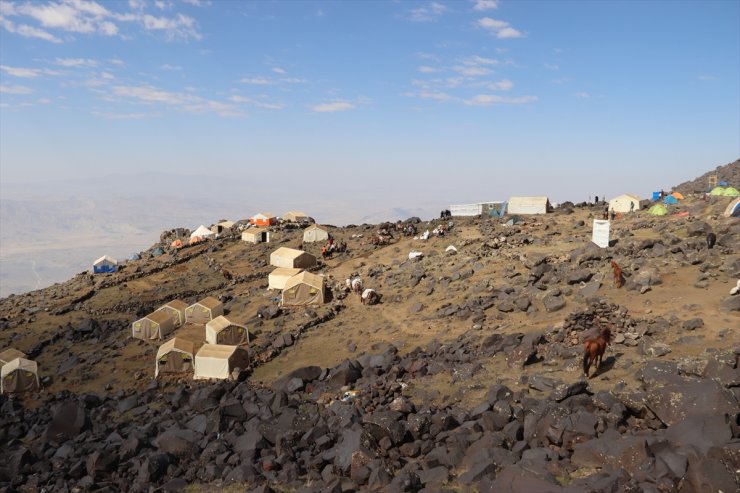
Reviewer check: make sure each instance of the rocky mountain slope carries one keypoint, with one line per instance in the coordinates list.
(729, 172)
(468, 373)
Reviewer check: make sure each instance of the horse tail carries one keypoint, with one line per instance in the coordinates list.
(586, 363)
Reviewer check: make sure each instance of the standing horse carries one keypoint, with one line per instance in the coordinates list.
(617, 274)
(356, 285)
(593, 350)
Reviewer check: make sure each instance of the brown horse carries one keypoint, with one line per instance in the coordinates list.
(593, 350)
(617, 274)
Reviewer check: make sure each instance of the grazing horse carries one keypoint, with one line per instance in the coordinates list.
(356, 285)
(369, 297)
(593, 350)
(711, 240)
(617, 274)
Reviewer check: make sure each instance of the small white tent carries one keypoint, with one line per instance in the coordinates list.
(529, 205)
(203, 232)
(218, 361)
(314, 234)
(625, 203)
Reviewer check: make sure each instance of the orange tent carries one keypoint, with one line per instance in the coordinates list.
(678, 195)
(176, 244)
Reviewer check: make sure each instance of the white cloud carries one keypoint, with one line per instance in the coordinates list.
(501, 29)
(434, 95)
(278, 70)
(494, 99)
(75, 62)
(257, 103)
(258, 81)
(116, 61)
(179, 27)
(501, 85)
(552, 66)
(106, 76)
(332, 107)
(197, 3)
(583, 95)
(320, 13)
(481, 5)
(471, 71)
(15, 89)
(25, 73)
(79, 16)
(162, 5)
(479, 60)
(185, 102)
(427, 13)
(293, 80)
(28, 31)
(425, 69)
(167, 66)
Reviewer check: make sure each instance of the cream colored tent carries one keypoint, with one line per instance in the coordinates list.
(222, 226)
(256, 235)
(204, 310)
(175, 356)
(295, 217)
(176, 309)
(218, 361)
(10, 354)
(222, 331)
(303, 289)
(202, 232)
(528, 205)
(19, 375)
(292, 258)
(156, 325)
(622, 203)
(280, 276)
(314, 234)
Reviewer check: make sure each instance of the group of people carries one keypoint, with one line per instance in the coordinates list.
(332, 246)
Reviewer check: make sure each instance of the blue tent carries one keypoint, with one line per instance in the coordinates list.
(723, 184)
(157, 252)
(656, 196)
(499, 211)
(670, 200)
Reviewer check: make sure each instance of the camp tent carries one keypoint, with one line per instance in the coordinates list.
(105, 264)
(625, 203)
(176, 310)
(280, 276)
(222, 331)
(158, 251)
(135, 256)
(303, 289)
(732, 210)
(222, 227)
(256, 235)
(658, 210)
(529, 205)
(218, 361)
(202, 232)
(10, 354)
(19, 375)
(314, 234)
(263, 219)
(295, 217)
(731, 192)
(175, 356)
(156, 325)
(292, 258)
(670, 200)
(204, 310)
(678, 195)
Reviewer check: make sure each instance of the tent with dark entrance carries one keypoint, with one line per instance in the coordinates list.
(221, 330)
(256, 235)
(174, 357)
(19, 375)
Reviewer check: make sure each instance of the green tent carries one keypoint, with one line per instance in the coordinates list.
(717, 191)
(658, 210)
(731, 192)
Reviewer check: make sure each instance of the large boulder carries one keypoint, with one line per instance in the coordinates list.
(68, 421)
(674, 403)
(177, 442)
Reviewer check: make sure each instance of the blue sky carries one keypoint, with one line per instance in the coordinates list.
(465, 100)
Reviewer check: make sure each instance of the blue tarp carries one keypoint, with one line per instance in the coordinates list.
(670, 200)
(102, 269)
(656, 196)
(723, 184)
(500, 212)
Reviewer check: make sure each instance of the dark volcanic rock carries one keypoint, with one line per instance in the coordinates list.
(69, 420)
